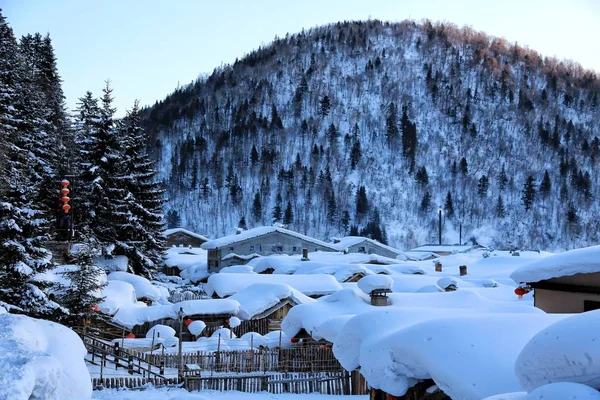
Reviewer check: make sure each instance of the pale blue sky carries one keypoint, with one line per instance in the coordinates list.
(145, 47)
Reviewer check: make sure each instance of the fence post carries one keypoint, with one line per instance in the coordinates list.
(102, 363)
(130, 364)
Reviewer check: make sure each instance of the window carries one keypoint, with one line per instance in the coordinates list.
(279, 249)
(258, 248)
(273, 248)
(252, 249)
(362, 250)
(589, 305)
(295, 248)
(231, 249)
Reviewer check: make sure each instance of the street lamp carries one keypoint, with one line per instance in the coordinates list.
(180, 317)
(440, 225)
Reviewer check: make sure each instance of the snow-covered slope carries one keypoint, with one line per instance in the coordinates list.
(305, 122)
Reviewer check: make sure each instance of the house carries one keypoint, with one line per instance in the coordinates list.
(364, 245)
(567, 282)
(264, 305)
(182, 237)
(261, 241)
(445, 249)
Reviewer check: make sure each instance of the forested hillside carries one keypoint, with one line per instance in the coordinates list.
(369, 127)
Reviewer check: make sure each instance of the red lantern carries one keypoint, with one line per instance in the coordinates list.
(65, 199)
(64, 191)
(294, 340)
(64, 183)
(66, 208)
(520, 291)
(130, 336)
(187, 321)
(95, 307)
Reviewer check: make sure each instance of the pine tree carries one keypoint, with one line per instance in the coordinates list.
(391, 126)
(355, 154)
(425, 202)
(288, 216)
(345, 221)
(572, 217)
(545, 185)
(354, 231)
(173, 219)
(84, 290)
(324, 106)
(143, 201)
(277, 212)
(500, 212)
(242, 223)
(528, 194)
(257, 207)
(362, 203)
(449, 206)
(502, 179)
(463, 166)
(482, 186)
(422, 177)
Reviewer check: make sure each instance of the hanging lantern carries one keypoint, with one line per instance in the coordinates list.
(520, 291)
(95, 307)
(294, 340)
(65, 199)
(64, 191)
(66, 208)
(64, 183)
(130, 336)
(187, 321)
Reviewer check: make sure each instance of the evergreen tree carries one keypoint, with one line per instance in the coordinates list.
(572, 216)
(483, 186)
(331, 208)
(242, 223)
(528, 194)
(254, 157)
(354, 231)
(277, 212)
(288, 216)
(500, 212)
(345, 221)
(332, 134)
(425, 202)
(355, 154)
(502, 179)
(173, 219)
(422, 177)
(409, 138)
(464, 167)
(324, 106)
(545, 185)
(449, 206)
(257, 207)
(391, 126)
(84, 290)
(362, 203)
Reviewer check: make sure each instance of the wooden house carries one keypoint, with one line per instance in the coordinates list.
(265, 240)
(445, 249)
(364, 245)
(567, 282)
(182, 237)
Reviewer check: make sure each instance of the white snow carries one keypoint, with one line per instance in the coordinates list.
(375, 282)
(196, 327)
(116, 263)
(579, 261)
(257, 232)
(190, 261)
(311, 285)
(553, 391)
(344, 243)
(567, 351)
(131, 317)
(164, 333)
(41, 360)
(117, 295)
(143, 287)
(237, 269)
(182, 394)
(258, 298)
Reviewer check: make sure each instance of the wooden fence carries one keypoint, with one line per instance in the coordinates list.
(131, 382)
(260, 326)
(296, 359)
(332, 383)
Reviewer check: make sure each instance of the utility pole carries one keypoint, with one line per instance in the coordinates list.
(180, 364)
(440, 225)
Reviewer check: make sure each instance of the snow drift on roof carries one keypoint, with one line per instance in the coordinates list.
(257, 298)
(143, 287)
(344, 243)
(169, 232)
(579, 261)
(375, 282)
(311, 285)
(450, 248)
(131, 317)
(256, 232)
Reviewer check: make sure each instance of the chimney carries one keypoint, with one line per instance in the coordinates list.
(305, 254)
(463, 270)
(379, 297)
(438, 266)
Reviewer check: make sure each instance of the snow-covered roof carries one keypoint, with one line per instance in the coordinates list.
(258, 298)
(375, 282)
(311, 285)
(169, 232)
(344, 243)
(579, 261)
(257, 232)
(341, 272)
(143, 287)
(131, 317)
(446, 248)
(240, 256)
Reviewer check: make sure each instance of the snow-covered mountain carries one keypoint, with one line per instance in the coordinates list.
(416, 116)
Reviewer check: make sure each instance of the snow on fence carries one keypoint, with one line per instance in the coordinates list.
(297, 359)
(331, 383)
(130, 382)
(260, 326)
(185, 296)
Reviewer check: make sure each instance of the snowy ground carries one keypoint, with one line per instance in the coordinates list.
(181, 394)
